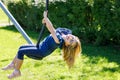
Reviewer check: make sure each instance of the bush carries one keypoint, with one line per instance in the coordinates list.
(27, 14)
(106, 14)
(94, 21)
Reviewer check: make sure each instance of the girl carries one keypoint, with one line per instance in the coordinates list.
(63, 39)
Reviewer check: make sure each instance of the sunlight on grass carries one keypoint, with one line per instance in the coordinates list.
(3, 17)
(95, 63)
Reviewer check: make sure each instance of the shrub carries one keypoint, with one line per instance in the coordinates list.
(27, 14)
(94, 21)
(106, 14)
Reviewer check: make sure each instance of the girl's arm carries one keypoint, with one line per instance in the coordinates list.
(50, 27)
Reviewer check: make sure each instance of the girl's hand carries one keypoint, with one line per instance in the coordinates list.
(45, 14)
(43, 21)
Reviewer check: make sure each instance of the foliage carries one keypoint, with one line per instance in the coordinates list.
(106, 15)
(94, 21)
(26, 13)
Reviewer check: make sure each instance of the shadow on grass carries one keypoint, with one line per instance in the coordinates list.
(111, 69)
(11, 28)
(109, 52)
(4, 60)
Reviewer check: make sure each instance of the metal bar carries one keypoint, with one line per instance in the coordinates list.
(19, 28)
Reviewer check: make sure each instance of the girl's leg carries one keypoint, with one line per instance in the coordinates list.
(16, 72)
(12, 64)
(19, 59)
(29, 51)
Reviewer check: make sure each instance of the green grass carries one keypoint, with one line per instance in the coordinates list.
(3, 17)
(95, 63)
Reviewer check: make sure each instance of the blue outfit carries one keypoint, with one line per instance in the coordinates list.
(46, 47)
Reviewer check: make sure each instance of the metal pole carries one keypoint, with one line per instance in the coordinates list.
(19, 28)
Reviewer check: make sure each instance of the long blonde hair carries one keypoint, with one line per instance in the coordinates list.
(71, 52)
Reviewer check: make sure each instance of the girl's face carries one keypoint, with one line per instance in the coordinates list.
(70, 40)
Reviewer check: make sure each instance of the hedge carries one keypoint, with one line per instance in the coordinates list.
(94, 21)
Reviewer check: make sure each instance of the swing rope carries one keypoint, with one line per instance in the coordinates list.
(43, 27)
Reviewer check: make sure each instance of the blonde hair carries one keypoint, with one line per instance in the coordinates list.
(71, 52)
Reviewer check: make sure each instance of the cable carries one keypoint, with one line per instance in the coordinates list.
(43, 26)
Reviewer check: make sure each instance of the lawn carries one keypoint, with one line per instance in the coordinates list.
(95, 62)
(3, 17)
